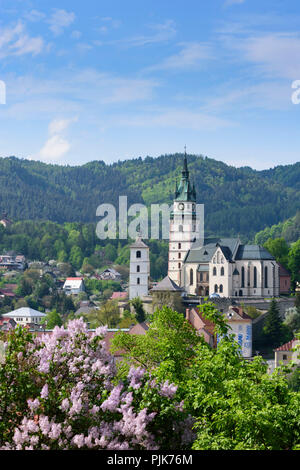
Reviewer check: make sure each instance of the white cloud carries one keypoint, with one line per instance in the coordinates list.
(162, 32)
(14, 41)
(276, 54)
(76, 34)
(59, 125)
(34, 15)
(233, 2)
(55, 148)
(176, 119)
(56, 145)
(191, 54)
(59, 20)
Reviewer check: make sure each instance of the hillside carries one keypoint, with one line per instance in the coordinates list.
(237, 200)
(289, 230)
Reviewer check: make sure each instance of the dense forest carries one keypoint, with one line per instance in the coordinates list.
(289, 230)
(237, 200)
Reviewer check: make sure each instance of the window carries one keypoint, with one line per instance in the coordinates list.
(243, 277)
(191, 277)
(284, 357)
(138, 254)
(138, 280)
(266, 276)
(179, 265)
(179, 246)
(214, 271)
(222, 271)
(179, 255)
(138, 269)
(255, 277)
(221, 288)
(180, 228)
(216, 288)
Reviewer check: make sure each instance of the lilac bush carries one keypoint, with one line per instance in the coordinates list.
(60, 391)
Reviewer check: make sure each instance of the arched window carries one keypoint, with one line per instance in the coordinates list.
(266, 276)
(243, 277)
(221, 288)
(222, 271)
(179, 265)
(191, 277)
(138, 254)
(179, 246)
(138, 280)
(214, 271)
(138, 269)
(255, 277)
(179, 255)
(216, 288)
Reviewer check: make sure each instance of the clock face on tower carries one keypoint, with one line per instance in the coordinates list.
(181, 206)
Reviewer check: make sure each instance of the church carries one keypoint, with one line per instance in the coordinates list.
(219, 267)
(223, 267)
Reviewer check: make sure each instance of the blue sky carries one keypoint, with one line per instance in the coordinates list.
(113, 80)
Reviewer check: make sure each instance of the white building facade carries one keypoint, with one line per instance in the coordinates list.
(225, 267)
(139, 273)
(25, 315)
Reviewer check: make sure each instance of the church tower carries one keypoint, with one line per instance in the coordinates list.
(182, 224)
(139, 269)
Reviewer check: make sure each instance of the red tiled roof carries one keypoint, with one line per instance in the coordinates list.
(287, 346)
(119, 295)
(241, 313)
(74, 279)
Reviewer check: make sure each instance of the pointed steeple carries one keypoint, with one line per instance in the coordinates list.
(185, 171)
(185, 191)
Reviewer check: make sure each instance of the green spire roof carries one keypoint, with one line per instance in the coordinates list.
(185, 191)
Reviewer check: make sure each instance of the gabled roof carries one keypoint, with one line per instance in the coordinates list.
(167, 285)
(203, 252)
(287, 346)
(139, 243)
(237, 314)
(24, 312)
(252, 252)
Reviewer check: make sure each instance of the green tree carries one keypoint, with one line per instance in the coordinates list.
(166, 349)
(52, 319)
(274, 333)
(279, 249)
(294, 261)
(108, 314)
(139, 309)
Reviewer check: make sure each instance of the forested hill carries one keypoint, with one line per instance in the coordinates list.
(237, 200)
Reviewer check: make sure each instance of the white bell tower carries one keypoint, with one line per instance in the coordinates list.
(139, 269)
